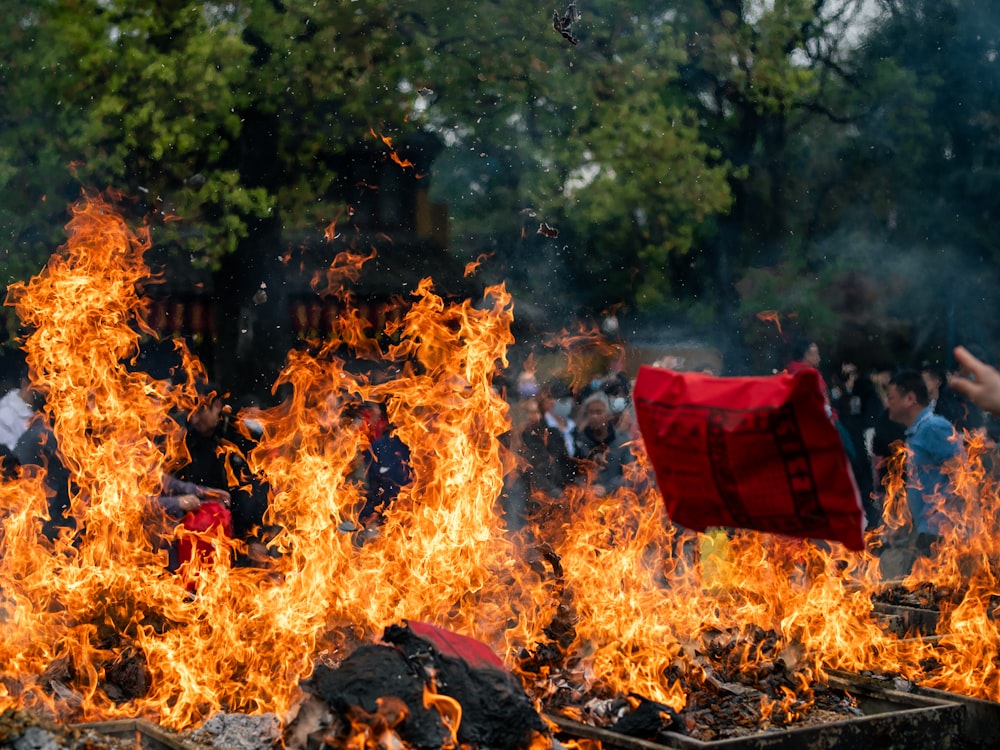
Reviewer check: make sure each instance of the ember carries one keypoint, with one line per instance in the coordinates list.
(725, 697)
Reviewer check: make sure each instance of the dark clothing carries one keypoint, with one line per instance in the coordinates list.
(387, 471)
(962, 413)
(8, 463)
(857, 411)
(887, 434)
(549, 468)
(888, 437)
(607, 456)
(37, 445)
(219, 463)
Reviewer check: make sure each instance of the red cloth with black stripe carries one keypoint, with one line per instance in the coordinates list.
(749, 452)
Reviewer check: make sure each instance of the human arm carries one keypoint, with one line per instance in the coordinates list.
(177, 505)
(172, 486)
(980, 382)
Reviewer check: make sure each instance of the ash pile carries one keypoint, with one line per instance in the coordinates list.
(423, 687)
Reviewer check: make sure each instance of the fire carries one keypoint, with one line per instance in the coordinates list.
(597, 596)
(771, 316)
(375, 730)
(393, 154)
(582, 347)
(472, 266)
(449, 709)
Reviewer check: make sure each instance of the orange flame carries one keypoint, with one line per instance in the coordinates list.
(393, 154)
(449, 709)
(473, 266)
(602, 593)
(771, 316)
(583, 349)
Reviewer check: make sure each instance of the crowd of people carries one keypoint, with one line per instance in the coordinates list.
(566, 437)
(926, 416)
(581, 438)
(213, 488)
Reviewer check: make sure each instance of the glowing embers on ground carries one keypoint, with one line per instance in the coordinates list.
(598, 597)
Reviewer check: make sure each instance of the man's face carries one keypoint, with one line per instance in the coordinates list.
(205, 419)
(811, 357)
(598, 414)
(899, 404)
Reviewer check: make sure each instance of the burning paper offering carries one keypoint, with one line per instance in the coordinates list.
(752, 452)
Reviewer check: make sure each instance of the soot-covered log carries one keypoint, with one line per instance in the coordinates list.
(382, 687)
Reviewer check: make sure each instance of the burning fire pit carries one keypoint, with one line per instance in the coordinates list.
(22, 730)
(139, 734)
(889, 720)
(600, 591)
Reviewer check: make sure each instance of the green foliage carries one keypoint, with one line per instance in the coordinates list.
(655, 186)
(678, 148)
(593, 138)
(204, 114)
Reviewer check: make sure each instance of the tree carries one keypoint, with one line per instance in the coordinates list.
(906, 193)
(219, 122)
(663, 146)
(579, 131)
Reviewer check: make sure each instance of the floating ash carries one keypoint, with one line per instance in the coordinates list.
(27, 730)
(237, 732)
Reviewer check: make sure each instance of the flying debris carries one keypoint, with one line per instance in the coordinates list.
(546, 231)
(425, 91)
(261, 296)
(771, 316)
(529, 212)
(563, 23)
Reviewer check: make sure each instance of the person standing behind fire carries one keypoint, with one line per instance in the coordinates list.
(600, 449)
(885, 435)
(218, 462)
(931, 442)
(804, 356)
(17, 408)
(387, 469)
(548, 441)
(858, 405)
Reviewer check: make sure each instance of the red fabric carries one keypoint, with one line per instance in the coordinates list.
(474, 653)
(796, 366)
(754, 452)
(210, 515)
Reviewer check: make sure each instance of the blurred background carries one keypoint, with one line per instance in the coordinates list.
(715, 177)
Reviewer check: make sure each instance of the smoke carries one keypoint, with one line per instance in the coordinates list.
(906, 304)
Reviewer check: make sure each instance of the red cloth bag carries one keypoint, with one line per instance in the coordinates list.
(210, 515)
(749, 452)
